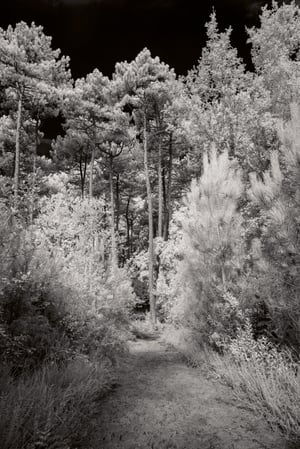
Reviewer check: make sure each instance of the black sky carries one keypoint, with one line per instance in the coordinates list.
(99, 33)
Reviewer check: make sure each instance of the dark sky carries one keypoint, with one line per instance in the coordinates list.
(99, 33)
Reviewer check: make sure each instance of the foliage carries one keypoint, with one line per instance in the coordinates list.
(143, 328)
(228, 106)
(220, 72)
(212, 251)
(170, 254)
(51, 305)
(275, 54)
(54, 407)
(264, 377)
(277, 197)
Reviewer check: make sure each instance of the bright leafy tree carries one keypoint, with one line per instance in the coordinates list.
(277, 197)
(275, 54)
(86, 111)
(212, 244)
(144, 83)
(30, 70)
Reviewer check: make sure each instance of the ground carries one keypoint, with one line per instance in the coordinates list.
(161, 403)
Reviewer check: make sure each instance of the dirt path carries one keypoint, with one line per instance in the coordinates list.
(164, 404)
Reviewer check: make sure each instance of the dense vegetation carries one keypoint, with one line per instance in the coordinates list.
(177, 195)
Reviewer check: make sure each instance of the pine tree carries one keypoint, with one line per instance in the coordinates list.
(277, 196)
(144, 83)
(275, 54)
(212, 242)
(229, 107)
(86, 110)
(220, 72)
(31, 70)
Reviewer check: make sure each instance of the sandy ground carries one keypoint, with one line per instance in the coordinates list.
(161, 403)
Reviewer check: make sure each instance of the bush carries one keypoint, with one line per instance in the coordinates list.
(58, 295)
(143, 328)
(267, 378)
(212, 250)
(54, 407)
(277, 198)
(63, 322)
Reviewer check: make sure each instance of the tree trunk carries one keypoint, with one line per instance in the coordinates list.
(91, 173)
(34, 157)
(17, 153)
(169, 193)
(128, 227)
(131, 235)
(82, 174)
(150, 221)
(160, 191)
(223, 275)
(117, 202)
(114, 255)
(164, 192)
(37, 141)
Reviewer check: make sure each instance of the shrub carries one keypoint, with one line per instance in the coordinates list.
(58, 296)
(267, 378)
(212, 250)
(52, 408)
(143, 328)
(277, 198)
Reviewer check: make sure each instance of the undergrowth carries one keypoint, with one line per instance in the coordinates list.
(265, 377)
(63, 329)
(144, 328)
(54, 407)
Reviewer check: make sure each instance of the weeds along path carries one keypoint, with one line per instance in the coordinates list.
(162, 403)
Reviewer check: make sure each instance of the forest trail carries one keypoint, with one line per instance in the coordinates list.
(161, 403)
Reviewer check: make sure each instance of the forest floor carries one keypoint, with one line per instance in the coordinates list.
(161, 403)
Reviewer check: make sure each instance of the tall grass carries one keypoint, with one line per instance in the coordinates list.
(266, 378)
(263, 377)
(143, 328)
(52, 408)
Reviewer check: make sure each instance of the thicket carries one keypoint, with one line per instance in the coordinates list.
(64, 323)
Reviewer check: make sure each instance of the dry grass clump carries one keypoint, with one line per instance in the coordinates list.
(185, 342)
(261, 375)
(144, 329)
(267, 378)
(52, 408)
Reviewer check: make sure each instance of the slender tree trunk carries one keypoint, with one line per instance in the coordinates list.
(114, 255)
(117, 202)
(150, 220)
(165, 213)
(17, 153)
(164, 188)
(37, 141)
(223, 275)
(82, 174)
(131, 235)
(160, 191)
(169, 192)
(91, 173)
(34, 157)
(127, 227)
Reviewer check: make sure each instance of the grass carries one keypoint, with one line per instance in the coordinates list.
(262, 377)
(184, 342)
(273, 393)
(144, 329)
(52, 408)
(266, 378)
